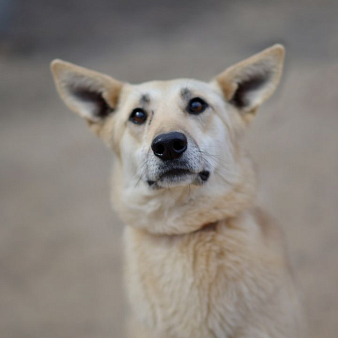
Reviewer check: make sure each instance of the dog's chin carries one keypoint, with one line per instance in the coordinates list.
(178, 178)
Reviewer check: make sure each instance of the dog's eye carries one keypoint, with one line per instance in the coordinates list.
(138, 116)
(196, 106)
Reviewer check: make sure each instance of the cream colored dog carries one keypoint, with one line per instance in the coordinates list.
(202, 260)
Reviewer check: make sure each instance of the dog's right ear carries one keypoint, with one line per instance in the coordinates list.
(90, 94)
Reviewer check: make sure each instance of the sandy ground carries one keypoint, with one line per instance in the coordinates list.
(60, 242)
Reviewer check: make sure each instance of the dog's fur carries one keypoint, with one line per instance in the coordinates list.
(202, 260)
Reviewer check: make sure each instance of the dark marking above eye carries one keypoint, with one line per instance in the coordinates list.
(145, 99)
(240, 98)
(102, 109)
(186, 93)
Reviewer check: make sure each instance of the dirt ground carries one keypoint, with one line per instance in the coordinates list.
(60, 242)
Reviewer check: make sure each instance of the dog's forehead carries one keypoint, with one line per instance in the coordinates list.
(154, 90)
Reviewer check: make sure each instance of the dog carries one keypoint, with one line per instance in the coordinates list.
(202, 260)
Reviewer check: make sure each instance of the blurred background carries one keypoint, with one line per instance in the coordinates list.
(60, 242)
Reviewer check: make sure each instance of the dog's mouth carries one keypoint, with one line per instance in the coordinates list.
(179, 176)
(175, 173)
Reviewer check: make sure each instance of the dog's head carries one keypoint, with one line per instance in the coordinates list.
(179, 163)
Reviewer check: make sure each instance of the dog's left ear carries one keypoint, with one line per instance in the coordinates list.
(90, 94)
(248, 84)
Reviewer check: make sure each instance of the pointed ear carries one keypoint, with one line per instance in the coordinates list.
(248, 84)
(90, 94)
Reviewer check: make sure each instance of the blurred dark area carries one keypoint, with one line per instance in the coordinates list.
(45, 28)
(60, 242)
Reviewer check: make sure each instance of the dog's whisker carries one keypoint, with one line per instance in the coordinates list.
(216, 159)
(219, 173)
(139, 169)
(222, 177)
(171, 193)
(139, 172)
(210, 155)
(138, 181)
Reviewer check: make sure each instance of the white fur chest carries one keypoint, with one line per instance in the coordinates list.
(199, 285)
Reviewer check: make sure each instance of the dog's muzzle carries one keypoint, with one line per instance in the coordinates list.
(176, 164)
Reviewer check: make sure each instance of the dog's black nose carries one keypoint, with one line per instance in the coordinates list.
(169, 146)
